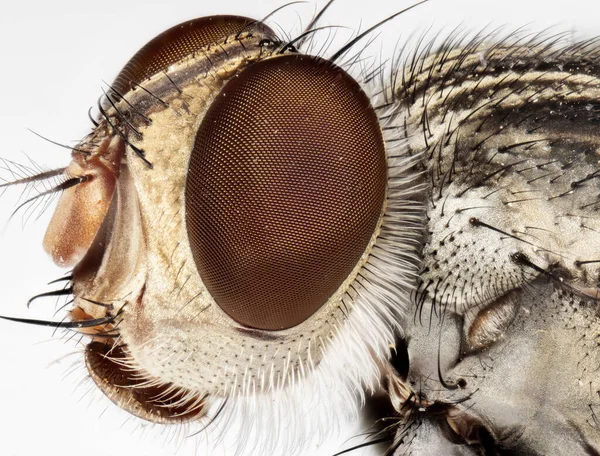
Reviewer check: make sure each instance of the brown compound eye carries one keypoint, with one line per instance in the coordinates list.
(180, 41)
(285, 188)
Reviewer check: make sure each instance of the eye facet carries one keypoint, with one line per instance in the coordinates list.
(285, 189)
(179, 42)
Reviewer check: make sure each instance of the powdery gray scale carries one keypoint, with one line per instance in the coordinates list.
(500, 351)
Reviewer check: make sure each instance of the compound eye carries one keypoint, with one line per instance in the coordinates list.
(285, 189)
(180, 41)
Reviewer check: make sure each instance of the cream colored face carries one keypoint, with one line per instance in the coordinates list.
(230, 222)
(156, 255)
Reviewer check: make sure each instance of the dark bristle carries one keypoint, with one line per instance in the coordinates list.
(289, 46)
(59, 188)
(444, 383)
(62, 324)
(64, 146)
(36, 178)
(523, 260)
(276, 10)
(251, 24)
(173, 82)
(98, 303)
(581, 263)
(489, 176)
(364, 445)
(312, 24)
(121, 115)
(348, 46)
(67, 278)
(139, 152)
(135, 85)
(96, 124)
(476, 222)
(64, 292)
(135, 110)
(64, 306)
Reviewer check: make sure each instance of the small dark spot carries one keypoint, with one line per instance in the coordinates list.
(519, 258)
(399, 358)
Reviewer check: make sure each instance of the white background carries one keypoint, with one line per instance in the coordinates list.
(54, 56)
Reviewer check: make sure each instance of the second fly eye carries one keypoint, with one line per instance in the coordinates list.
(181, 41)
(285, 189)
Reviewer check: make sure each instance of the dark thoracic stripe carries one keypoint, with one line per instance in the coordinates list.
(485, 119)
(465, 105)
